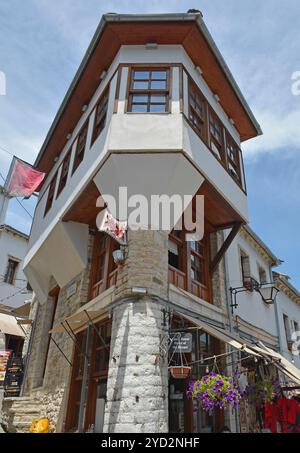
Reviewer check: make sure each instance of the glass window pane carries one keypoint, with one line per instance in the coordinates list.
(138, 75)
(139, 108)
(197, 247)
(157, 98)
(160, 75)
(158, 85)
(157, 108)
(140, 85)
(140, 98)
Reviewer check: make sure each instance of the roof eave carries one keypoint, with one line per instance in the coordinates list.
(107, 18)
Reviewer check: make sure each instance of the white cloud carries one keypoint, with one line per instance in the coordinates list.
(280, 131)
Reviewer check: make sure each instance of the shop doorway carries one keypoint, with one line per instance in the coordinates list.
(96, 383)
(183, 417)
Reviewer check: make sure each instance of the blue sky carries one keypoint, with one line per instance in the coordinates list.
(43, 42)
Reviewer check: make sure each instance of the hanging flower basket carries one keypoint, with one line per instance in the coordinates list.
(262, 392)
(215, 391)
(180, 372)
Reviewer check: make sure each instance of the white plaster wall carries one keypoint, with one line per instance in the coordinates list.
(13, 246)
(162, 131)
(251, 307)
(292, 310)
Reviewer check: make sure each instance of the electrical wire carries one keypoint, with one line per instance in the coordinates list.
(12, 295)
(6, 151)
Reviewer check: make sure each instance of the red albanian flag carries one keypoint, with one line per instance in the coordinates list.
(22, 179)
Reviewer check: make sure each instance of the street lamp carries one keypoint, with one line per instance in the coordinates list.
(267, 292)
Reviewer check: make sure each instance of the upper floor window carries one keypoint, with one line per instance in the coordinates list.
(64, 173)
(100, 115)
(11, 271)
(103, 271)
(296, 326)
(233, 158)
(216, 140)
(245, 267)
(198, 262)
(262, 275)
(287, 330)
(51, 192)
(189, 264)
(149, 91)
(80, 147)
(197, 110)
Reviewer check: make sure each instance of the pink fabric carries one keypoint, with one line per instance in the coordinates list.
(23, 180)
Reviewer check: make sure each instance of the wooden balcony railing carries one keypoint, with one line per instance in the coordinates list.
(178, 279)
(100, 286)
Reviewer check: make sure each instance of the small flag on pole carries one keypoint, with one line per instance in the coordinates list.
(22, 179)
(113, 227)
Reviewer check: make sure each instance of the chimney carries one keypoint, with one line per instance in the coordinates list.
(4, 199)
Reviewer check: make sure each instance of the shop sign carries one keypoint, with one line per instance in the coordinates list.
(4, 355)
(71, 290)
(181, 342)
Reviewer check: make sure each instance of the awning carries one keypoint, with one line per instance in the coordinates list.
(23, 310)
(281, 362)
(78, 320)
(9, 325)
(222, 335)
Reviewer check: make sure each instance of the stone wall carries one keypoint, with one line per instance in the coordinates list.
(137, 388)
(146, 264)
(51, 391)
(218, 278)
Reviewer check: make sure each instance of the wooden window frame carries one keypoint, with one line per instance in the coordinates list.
(76, 381)
(51, 194)
(192, 112)
(207, 137)
(220, 145)
(65, 166)
(131, 91)
(102, 105)
(79, 152)
(185, 262)
(235, 162)
(109, 266)
(93, 377)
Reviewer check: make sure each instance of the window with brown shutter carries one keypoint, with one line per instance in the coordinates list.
(197, 110)
(100, 115)
(233, 158)
(149, 90)
(64, 173)
(11, 270)
(50, 194)
(80, 147)
(189, 264)
(216, 140)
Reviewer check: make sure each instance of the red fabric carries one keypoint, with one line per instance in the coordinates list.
(271, 417)
(23, 180)
(288, 411)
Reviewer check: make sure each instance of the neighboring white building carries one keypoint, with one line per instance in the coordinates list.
(288, 304)
(13, 247)
(249, 260)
